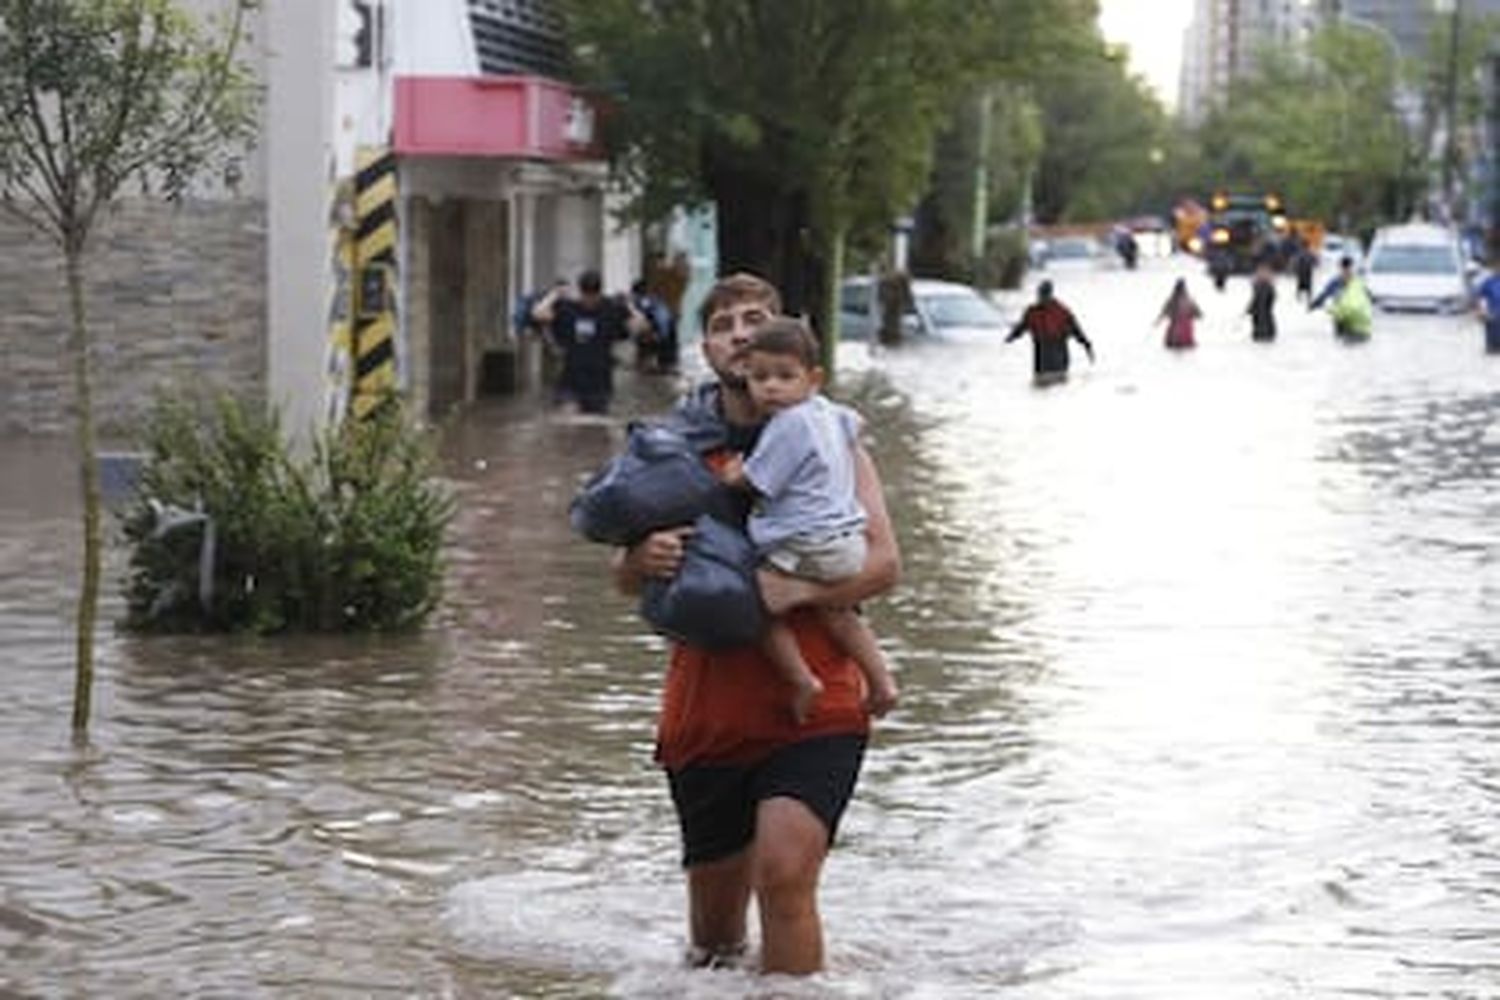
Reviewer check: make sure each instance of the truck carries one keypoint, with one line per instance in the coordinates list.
(1242, 231)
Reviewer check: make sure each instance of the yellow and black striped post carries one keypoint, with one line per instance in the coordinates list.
(375, 279)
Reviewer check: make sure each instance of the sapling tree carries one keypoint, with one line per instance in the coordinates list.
(95, 94)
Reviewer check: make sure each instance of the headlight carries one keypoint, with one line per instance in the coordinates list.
(1195, 245)
(1221, 236)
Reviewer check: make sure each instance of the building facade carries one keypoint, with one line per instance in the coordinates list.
(1408, 23)
(419, 164)
(1421, 31)
(1225, 39)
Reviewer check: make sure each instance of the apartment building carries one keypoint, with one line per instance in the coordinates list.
(1224, 40)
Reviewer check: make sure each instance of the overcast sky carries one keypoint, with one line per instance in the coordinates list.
(1152, 30)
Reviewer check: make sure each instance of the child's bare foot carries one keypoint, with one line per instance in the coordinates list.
(802, 701)
(883, 696)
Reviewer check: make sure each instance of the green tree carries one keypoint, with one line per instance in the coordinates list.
(1103, 133)
(1322, 127)
(1012, 141)
(805, 123)
(95, 93)
(1453, 89)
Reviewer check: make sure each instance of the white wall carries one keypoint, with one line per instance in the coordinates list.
(300, 174)
(621, 253)
(577, 233)
(434, 38)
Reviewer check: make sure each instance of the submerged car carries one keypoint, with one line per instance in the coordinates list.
(1417, 267)
(1337, 246)
(943, 310)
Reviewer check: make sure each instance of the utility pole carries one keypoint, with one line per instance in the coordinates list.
(1450, 150)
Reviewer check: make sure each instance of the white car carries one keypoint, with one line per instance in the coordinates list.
(943, 310)
(1417, 267)
(1075, 253)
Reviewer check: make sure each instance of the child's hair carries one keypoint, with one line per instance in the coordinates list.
(789, 337)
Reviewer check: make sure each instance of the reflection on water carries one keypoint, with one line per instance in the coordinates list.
(1201, 673)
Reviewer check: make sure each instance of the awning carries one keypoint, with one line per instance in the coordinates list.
(517, 117)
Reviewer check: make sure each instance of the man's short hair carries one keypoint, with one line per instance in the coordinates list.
(589, 283)
(1346, 262)
(789, 337)
(732, 289)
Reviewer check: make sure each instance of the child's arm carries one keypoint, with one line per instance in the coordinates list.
(882, 567)
(731, 472)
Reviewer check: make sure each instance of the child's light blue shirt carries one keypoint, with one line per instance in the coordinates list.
(803, 470)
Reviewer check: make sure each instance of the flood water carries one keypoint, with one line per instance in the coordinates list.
(1201, 660)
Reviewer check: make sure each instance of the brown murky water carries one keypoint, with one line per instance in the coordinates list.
(1202, 662)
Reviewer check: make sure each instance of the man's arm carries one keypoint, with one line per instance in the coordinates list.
(1335, 284)
(882, 562)
(544, 311)
(1018, 329)
(636, 322)
(1077, 333)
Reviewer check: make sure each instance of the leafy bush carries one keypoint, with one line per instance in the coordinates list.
(347, 538)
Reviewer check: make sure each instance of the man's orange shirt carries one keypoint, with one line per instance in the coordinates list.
(733, 707)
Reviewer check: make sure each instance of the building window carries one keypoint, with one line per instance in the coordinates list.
(361, 34)
(518, 36)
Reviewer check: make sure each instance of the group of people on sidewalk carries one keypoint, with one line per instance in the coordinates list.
(581, 326)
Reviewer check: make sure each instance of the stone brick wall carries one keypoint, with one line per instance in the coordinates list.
(176, 297)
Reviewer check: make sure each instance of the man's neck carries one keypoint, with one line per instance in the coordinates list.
(737, 406)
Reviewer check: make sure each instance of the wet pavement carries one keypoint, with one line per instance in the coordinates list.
(1201, 655)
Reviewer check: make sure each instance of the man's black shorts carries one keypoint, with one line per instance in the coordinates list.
(716, 803)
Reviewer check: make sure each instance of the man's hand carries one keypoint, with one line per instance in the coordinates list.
(636, 322)
(659, 554)
(546, 307)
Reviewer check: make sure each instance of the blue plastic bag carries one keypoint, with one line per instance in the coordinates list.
(658, 481)
(713, 601)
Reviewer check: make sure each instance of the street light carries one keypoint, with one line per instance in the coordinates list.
(1405, 102)
(1454, 10)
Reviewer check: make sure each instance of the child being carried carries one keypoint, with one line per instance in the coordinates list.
(807, 520)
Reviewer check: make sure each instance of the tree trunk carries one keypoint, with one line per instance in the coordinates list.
(88, 597)
(765, 230)
(827, 315)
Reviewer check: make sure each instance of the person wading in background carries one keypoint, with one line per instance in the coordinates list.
(1051, 325)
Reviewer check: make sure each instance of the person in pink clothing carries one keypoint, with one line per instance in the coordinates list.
(1180, 313)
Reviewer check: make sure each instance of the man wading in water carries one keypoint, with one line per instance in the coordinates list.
(1051, 324)
(759, 795)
